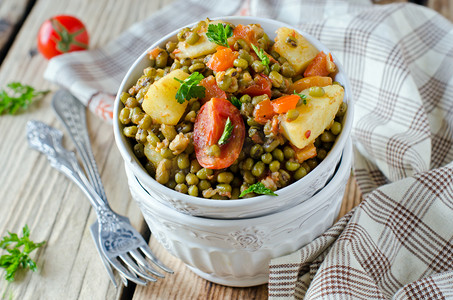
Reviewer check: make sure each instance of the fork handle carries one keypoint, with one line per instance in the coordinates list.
(47, 140)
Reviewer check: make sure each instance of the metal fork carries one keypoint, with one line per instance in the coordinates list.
(121, 244)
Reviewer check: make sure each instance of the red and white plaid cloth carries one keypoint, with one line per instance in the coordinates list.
(399, 242)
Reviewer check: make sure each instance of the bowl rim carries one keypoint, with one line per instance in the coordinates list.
(139, 171)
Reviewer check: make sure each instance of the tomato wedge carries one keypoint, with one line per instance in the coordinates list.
(262, 85)
(222, 59)
(212, 89)
(208, 129)
(322, 65)
(263, 111)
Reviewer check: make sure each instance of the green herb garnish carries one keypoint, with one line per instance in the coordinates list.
(219, 34)
(236, 102)
(262, 56)
(189, 88)
(17, 96)
(302, 97)
(258, 188)
(227, 131)
(18, 254)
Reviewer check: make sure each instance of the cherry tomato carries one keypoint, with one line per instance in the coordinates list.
(62, 34)
(212, 89)
(262, 85)
(208, 129)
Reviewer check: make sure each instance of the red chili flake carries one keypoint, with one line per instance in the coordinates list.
(307, 133)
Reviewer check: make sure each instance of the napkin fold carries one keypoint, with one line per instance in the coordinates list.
(398, 243)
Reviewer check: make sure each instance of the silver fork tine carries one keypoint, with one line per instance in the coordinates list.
(94, 230)
(132, 265)
(129, 275)
(144, 264)
(154, 259)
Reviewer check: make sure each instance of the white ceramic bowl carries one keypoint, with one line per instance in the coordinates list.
(241, 208)
(237, 252)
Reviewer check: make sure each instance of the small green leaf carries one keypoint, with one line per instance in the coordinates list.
(261, 55)
(17, 96)
(258, 188)
(302, 97)
(189, 88)
(219, 34)
(236, 102)
(227, 131)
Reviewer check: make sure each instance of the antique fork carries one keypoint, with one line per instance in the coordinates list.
(118, 240)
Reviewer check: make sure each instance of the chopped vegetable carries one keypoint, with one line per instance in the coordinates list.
(305, 153)
(258, 188)
(244, 32)
(262, 56)
(283, 104)
(219, 34)
(228, 129)
(322, 65)
(212, 89)
(222, 59)
(307, 82)
(18, 96)
(261, 85)
(19, 253)
(189, 88)
(263, 111)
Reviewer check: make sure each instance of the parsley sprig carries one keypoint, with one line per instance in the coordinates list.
(219, 34)
(262, 56)
(236, 102)
(227, 131)
(303, 97)
(17, 96)
(258, 188)
(19, 253)
(189, 88)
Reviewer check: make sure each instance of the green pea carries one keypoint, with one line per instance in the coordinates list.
(192, 179)
(139, 150)
(258, 99)
(327, 137)
(288, 152)
(194, 166)
(292, 114)
(198, 67)
(243, 44)
(183, 161)
(186, 62)
(266, 158)
(193, 191)
(245, 98)
(195, 106)
(168, 131)
(342, 109)
(124, 116)
(170, 46)
(234, 167)
(270, 145)
(182, 34)
(247, 164)
(240, 63)
(181, 187)
(287, 70)
(285, 178)
(301, 172)
(192, 38)
(150, 168)
(322, 153)
(163, 171)
(124, 96)
(235, 193)
(225, 177)
(251, 121)
(281, 60)
(257, 66)
(306, 166)
(312, 163)
(185, 69)
(161, 59)
(131, 102)
(152, 138)
(171, 184)
(248, 177)
(236, 182)
(276, 78)
(256, 151)
(274, 166)
(316, 91)
(225, 83)
(274, 54)
(214, 150)
(275, 67)
(180, 177)
(166, 153)
(130, 131)
(335, 128)
(145, 122)
(141, 135)
(204, 173)
(246, 55)
(224, 188)
(204, 184)
(292, 166)
(258, 169)
(137, 115)
(278, 154)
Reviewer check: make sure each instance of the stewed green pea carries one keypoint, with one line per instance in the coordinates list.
(183, 161)
(204, 173)
(301, 172)
(168, 131)
(327, 137)
(161, 59)
(181, 187)
(180, 177)
(224, 188)
(145, 122)
(204, 184)
(266, 158)
(166, 153)
(336, 128)
(257, 66)
(322, 153)
(275, 67)
(248, 177)
(287, 70)
(258, 169)
(312, 163)
(125, 115)
(139, 150)
(152, 138)
(225, 177)
(276, 78)
(245, 98)
(197, 67)
(316, 91)
(192, 179)
(240, 63)
(235, 193)
(288, 152)
(274, 166)
(182, 34)
(195, 106)
(342, 110)
(292, 166)
(137, 115)
(194, 166)
(247, 164)
(171, 184)
(141, 135)
(225, 83)
(214, 150)
(243, 44)
(270, 145)
(192, 38)
(193, 191)
(256, 151)
(170, 46)
(124, 96)
(292, 114)
(130, 131)
(278, 154)
(131, 102)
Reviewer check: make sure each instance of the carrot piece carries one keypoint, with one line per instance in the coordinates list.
(307, 82)
(322, 65)
(263, 111)
(155, 52)
(212, 89)
(283, 104)
(244, 32)
(222, 59)
(305, 153)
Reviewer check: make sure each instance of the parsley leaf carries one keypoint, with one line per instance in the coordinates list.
(258, 188)
(236, 102)
(189, 88)
(302, 97)
(219, 34)
(17, 96)
(262, 56)
(227, 131)
(18, 257)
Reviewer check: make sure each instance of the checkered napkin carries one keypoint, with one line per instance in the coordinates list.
(399, 58)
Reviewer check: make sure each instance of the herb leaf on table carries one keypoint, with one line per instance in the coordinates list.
(18, 96)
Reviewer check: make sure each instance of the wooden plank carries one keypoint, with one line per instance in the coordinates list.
(12, 12)
(33, 193)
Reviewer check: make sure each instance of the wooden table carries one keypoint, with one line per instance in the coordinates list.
(33, 193)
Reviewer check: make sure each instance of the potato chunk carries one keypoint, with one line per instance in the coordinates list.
(160, 103)
(314, 117)
(300, 56)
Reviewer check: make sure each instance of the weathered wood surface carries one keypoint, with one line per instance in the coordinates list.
(33, 193)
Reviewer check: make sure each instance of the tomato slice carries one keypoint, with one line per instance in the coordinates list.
(208, 129)
(212, 89)
(262, 85)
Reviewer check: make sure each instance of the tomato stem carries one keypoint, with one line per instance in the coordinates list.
(66, 38)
